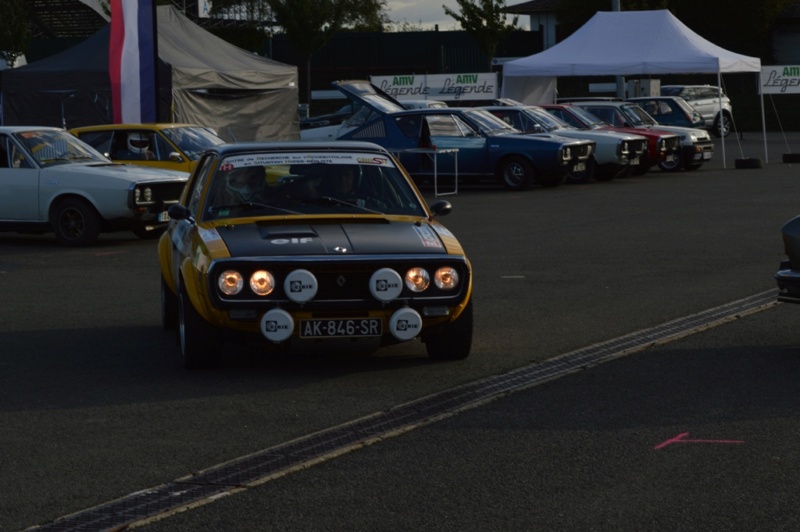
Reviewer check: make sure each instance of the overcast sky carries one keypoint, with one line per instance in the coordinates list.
(429, 12)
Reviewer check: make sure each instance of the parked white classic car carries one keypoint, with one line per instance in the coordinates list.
(50, 181)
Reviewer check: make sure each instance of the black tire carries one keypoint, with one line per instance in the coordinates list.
(169, 307)
(726, 125)
(603, 175)
(585, 176)
(675, 166)
(748, 163)
(517, 173)
(199, 340)
(75, 222)
(452, 341)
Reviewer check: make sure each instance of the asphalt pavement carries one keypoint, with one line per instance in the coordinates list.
(692, 432)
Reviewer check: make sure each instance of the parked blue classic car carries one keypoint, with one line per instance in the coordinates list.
(487, 146)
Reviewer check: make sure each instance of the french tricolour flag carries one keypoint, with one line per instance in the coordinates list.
(132, 61)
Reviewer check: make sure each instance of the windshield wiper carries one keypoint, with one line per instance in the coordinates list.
(328, 200)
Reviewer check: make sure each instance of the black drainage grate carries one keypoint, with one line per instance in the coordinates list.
(205, 486)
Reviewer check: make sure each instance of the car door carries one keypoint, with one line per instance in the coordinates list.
(449, 131)
(19, 184)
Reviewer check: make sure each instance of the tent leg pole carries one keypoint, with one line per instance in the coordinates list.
(763, 119)
(719, 84)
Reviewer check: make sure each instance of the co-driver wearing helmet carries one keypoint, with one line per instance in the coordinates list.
(138, 148)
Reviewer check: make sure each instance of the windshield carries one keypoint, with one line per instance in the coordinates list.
(637, 116)
(488, 123)
(309, 183)
(592, 121)
(192, 141)
(546, 120)
(50, 147)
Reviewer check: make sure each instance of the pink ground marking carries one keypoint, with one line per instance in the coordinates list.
(681, 438)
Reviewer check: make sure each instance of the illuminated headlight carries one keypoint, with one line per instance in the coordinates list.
(137, 195)
(446, 278)
(148, 194)
(567, 153)
(417, 279)
(262, 283)
(230, 282)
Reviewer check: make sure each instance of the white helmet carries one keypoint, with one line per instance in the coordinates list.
(138, 143)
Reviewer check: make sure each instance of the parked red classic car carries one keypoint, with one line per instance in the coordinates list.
(662, 146)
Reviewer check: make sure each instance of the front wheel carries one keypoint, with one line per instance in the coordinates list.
(672, 166)
(517, 173)
(75, 222)
(169, 307)
(199, 340)
(590, 171)
(726, 125)
(452, 341)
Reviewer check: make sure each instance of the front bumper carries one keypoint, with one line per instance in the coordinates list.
(788, 283)
(698, 152)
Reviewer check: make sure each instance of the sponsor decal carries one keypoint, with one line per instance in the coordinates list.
(427, 236)
(285, 159)
(447, 87)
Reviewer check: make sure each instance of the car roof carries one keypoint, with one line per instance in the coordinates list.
(300, 146)
(17, 129)
(150, 125)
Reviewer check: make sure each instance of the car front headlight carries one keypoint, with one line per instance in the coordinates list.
(446, 278)
(417, 279)
(230, 282)
(262, 283)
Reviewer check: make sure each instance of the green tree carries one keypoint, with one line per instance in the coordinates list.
(485, 21)
(14, 34)
(309, 24)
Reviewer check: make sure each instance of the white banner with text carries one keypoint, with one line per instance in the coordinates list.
(780, 79)
(445, 87)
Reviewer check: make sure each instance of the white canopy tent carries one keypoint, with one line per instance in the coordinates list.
(621, 43)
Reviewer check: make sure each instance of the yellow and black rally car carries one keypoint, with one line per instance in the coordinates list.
(322, 245)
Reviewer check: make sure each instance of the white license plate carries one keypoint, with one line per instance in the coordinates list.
(579, 167)
(163, 216)
(669, 158)
(341, 328)
(706, 155)
(634, 161)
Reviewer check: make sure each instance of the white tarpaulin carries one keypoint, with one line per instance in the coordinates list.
(620, 43)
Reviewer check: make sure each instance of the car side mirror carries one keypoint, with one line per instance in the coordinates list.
(175, 157)
(441, 208)
(180, 212)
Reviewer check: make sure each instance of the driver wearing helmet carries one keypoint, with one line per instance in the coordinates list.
(245, 184)
(138, 148)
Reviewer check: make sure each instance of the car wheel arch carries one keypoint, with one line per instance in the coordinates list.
(518, 157)
(93, 221)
